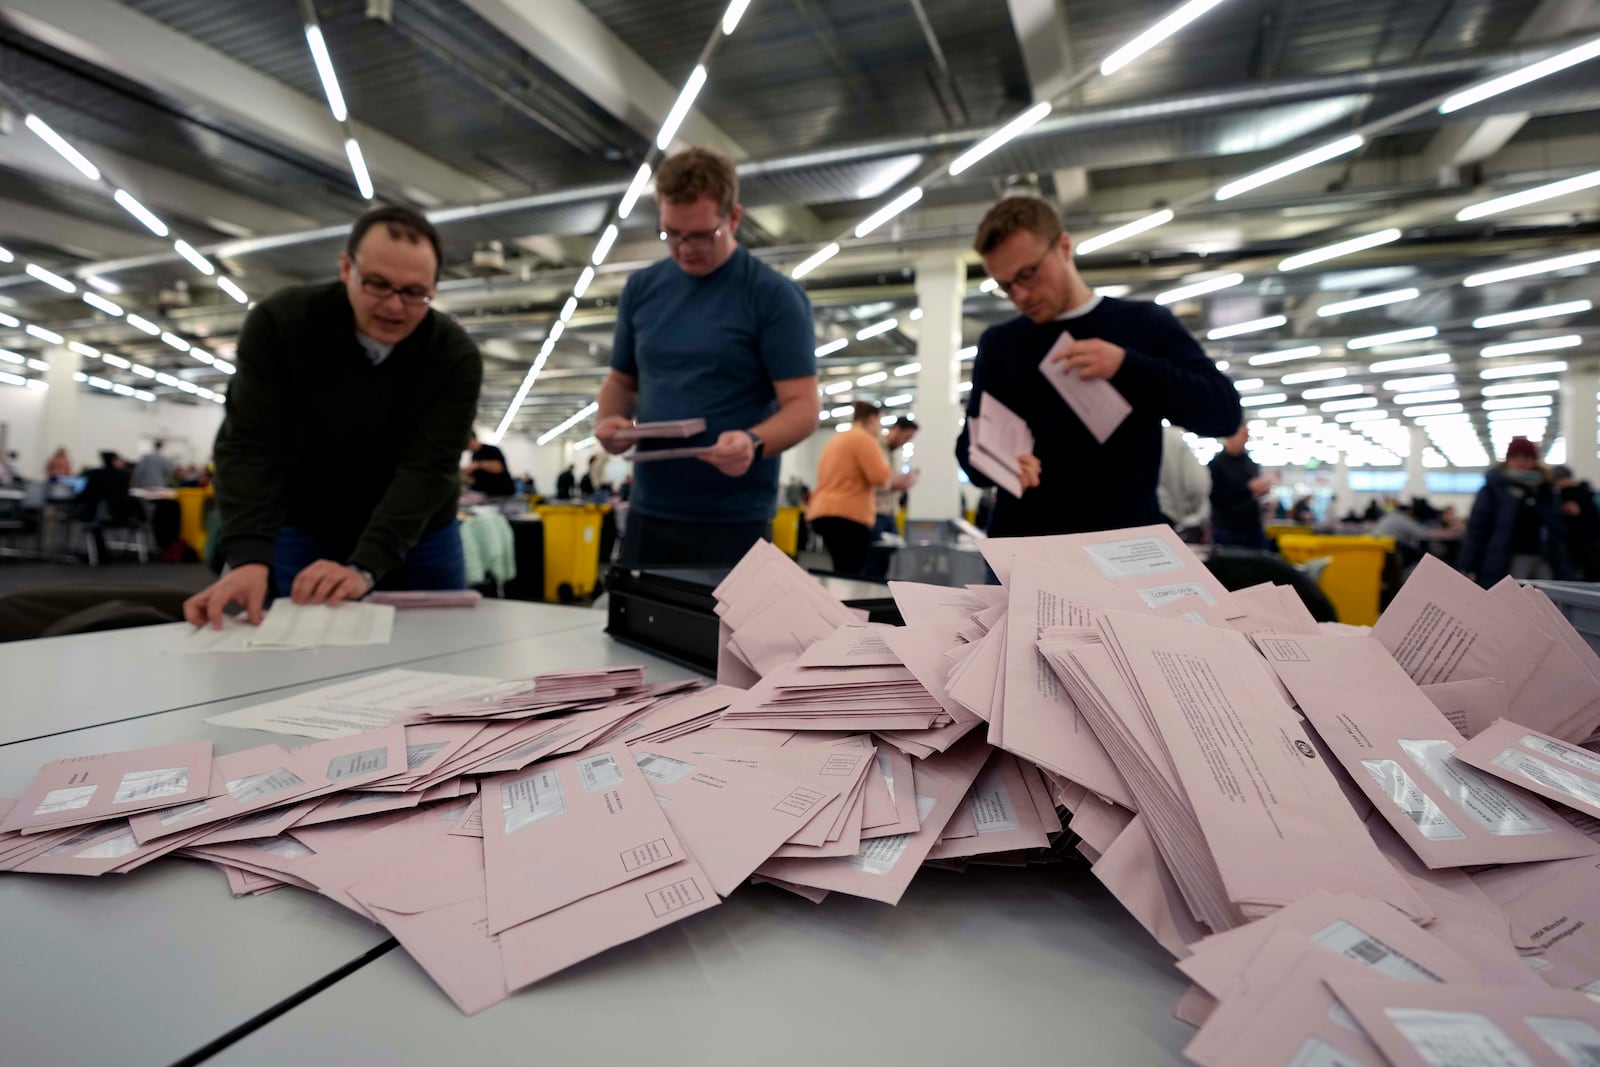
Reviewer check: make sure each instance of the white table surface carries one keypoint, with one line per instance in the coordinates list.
(56, 684)
(154, 966)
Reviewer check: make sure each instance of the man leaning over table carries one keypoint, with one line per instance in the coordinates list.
(337, 459)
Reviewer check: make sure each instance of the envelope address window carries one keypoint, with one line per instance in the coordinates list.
(1480, 796)
(526, 800)
(418, 755)
(1133, 557)
(69, 799)
(254, 787)
(152, 785)
(1574, 757)
(664, 769)
(1418, 806)
(1549, 775)
(1456, 1037)
(1351, 941)
(599, 772)
(992, 810)
(1574, 1040)
(348, 766)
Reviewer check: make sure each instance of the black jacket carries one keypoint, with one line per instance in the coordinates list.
(318, 437)
(1490, 539)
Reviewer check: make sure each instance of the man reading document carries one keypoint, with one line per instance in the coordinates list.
(1074, 481)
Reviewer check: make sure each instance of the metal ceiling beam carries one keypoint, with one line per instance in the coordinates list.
(71, 233)
(1042, 33)
(117, 38)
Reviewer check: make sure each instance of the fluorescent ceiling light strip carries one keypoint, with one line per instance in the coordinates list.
(568, 423)
(1430, 396)
(229, 286)
(202, 355)
(1339, 248)
(1245, 385)
(1292, 165)
(1286, 411)
(602, 247)
(871, 379)
(897, 400)
(100, 303)
(1512, 201)
(970, 352)
(582, 284)
(48, 336)
(1265, 399)
(1363, 303)
(1548, 311)
(1353, 404)
(50, 278)
(999, 137)
(10, 322)
(50, 137)
(175, 341)
(1180, 17)
(1538, 344)
(1433, 409)
(1125, 231)
(568, 308)
(111, 359)
(103, 284)
(1513, 388)
(907, 368)
(144, 325)
(815, 260)
(330, 81)
(88, 351)
(680, 107)
(142, 371)
(832, 346)
(731, 17)
(1394, 337)
(877, 328)
(1323, 374)
(1329, 392)
(889, 211)
(557, 328)
(1266, 359)
(1210, 285)
(1528, 270)
(1271, 322)
(636, 188)
(1532, 72)
(12, 357)
(139, 211)
(358, 167)
(225, 367)
(1516, 402)
(835, 388)
(196, 260)
(1361, 416)
(6, 255)
(1432, 359)
(1426, 381)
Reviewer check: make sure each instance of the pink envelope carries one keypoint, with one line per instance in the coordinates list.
(349, 852)
(1399, 749)
(1562, 918)
(1148, 560)
(1003, 815)
(241, 782)
(1133, 871)
(1554, 769)
(85, 789)
(104, 848)
(1420, 1025)
(1470, 704)
(821, 767)
(567, 829)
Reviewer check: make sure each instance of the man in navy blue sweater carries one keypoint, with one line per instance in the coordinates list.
(1073, 483)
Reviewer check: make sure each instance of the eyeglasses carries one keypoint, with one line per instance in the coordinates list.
(1024, 277)
(697, 242)
(379, 288)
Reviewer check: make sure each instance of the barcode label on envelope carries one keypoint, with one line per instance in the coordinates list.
(1418, 806)
(1452, 1037)
(373, 759)
(1480, 796)
(662, 768)
(530, 798)
(69, 799)
(255, 787)
(152, 785)
(1575, 757)
(1133, 557)
(599, 772)
(1349, 940)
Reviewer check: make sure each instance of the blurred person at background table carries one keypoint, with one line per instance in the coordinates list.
(1516, 526)
(1184, 488)
(1583, 522)
(888, 500)
(709, 332)
(1073, 483)
(10, 472)
(154, 470)
(843, 506)
(1237, 486)
(59, 465)
(487, 473)
(566, 482)
(365, 363)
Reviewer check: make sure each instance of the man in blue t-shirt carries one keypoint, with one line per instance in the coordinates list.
(709, 333)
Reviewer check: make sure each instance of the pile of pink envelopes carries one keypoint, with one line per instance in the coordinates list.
(1361, 847)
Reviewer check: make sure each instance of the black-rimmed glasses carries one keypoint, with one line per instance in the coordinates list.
(380, 289)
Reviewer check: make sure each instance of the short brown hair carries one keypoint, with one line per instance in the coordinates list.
(1013, 214)
(863, 410)
(402, 223)
(686, 176)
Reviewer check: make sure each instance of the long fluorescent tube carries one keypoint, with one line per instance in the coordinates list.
(1329, 392)
(1394, 337)
(10, 322)
(100, 303)
(196, 260)
(602, 247)
(1123, 232)
(1287, 411)
(87, 351)
(1324, 374)
(174, 341)
(1522, 348)
(1433, 409)
(1266, 359)
(66, 151)
(102, 284)
(999, 137)
(970, 352)
(6, 255)
(1527, 270)
(1271, 322)
(139, 322)
(1264, 400)
(831, 347)
(1179, 18)
(330, 81)
(636, 188)
(568, 423)
(1555, 366)
(1362, 303)
(229, 286)
(48, 336)
(1532, 72)
(1292, 165)
(568, 308)
(907, 368)
(814, 260)
(1427, 396)
(358, 167)
(1366, 415)
(1515, 402)
(581, 286)
(1511, 201)
(1548, 311)
(1426, 381)
(898, 399)
(139, 211)
(1513, 388)
(680, 107)
(202, 355)
(111, 359)
(1353, 404)
(888, 211)
(835, 388)
(1210, 285)
(557, 328)
(50, 278)
(871, 379)
(12, 357)
(731, 17)
(1245, 385)
(1339, 248)
(1433, 359)
(876, 328)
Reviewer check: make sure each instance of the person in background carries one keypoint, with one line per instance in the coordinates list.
(1073, 483)
(900, 434)
(843, 508)
(1184, 488)
(59, 465)
(566, 482)
(364, 361)
(1409, 534)
(1237, 486)
(10, 472)
(154, 470)
(1301, 514)
(708, 332)
(1516, 526)
(488, 473)
(1583, 522)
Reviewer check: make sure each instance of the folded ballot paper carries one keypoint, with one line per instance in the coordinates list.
(997, 438)
(287, 626)
(1359, 847)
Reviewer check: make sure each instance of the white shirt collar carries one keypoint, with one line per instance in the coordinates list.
(1081, 310)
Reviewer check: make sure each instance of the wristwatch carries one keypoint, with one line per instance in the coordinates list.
(760, 446)
(366, 575)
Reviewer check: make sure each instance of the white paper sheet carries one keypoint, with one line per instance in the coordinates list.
(294, 626)
(1095, 401)
(364, 704)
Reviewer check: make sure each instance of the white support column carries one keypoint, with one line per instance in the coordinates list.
(1416, 479)
(60, 427)
(1578, 423)
(941, 285)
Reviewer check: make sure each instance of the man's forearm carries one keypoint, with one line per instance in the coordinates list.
(616, 399)
(789, 425)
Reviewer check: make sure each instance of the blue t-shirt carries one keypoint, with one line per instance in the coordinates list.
(710, 348)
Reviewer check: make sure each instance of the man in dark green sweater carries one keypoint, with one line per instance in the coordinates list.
(338, 461)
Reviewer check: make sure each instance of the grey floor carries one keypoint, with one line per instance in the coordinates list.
(22, 574)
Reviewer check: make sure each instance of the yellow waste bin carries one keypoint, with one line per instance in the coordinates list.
(1353, 579)
(192, 518)
(786, 531)
(1276, 530)
(571, 549)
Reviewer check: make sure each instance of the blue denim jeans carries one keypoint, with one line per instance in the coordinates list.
(435, 562)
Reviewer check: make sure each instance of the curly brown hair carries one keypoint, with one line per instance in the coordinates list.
(686, 176)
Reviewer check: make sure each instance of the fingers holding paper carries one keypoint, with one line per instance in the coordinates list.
(733, 453)
(245, 585)
(606, 431)
(1028, 468)
(327, 582)
(1091, 358)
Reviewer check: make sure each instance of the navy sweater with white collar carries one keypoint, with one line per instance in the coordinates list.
(1085, 485)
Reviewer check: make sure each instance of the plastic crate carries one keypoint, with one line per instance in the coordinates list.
(1580, 603)
(935, 564)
